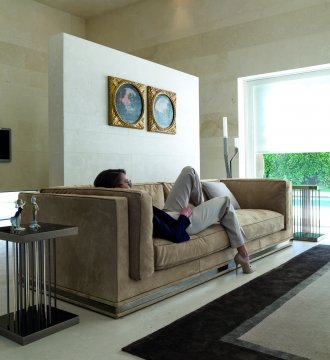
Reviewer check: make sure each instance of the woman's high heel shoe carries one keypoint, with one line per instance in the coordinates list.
(246, 267)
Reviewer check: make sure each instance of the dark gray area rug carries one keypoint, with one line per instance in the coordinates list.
(202, 334)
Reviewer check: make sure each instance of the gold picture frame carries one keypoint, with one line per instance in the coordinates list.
(126, 103)
(161, 111)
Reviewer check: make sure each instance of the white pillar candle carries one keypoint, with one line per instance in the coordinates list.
(225, 131)
(236, 143)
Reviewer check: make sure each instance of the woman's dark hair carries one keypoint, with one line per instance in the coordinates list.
(109, 178)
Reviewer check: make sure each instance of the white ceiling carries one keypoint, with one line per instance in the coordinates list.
(87, 8)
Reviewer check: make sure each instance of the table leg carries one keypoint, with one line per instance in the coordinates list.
(49, 283)
(55, 280)
(7, 280)
(45, 313)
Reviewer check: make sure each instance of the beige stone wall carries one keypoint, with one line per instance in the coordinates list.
(216, 40)
(25, 27)
(219, 41)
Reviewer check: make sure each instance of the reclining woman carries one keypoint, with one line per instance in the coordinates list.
(177, 221)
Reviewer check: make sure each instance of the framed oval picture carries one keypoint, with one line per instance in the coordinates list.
(126, 103)
(161, 111)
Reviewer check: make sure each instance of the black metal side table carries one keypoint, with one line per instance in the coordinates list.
(32, 311)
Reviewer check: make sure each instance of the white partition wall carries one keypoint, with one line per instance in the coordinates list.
(82, 143)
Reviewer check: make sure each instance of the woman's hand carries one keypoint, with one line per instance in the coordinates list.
(186, 212)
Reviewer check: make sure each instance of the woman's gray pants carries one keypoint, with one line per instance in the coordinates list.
(187, 189)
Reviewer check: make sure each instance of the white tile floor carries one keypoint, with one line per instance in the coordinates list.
(100, 337)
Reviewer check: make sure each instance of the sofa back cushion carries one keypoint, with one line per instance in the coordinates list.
(212, 189)
(167, 186)
(155, 190)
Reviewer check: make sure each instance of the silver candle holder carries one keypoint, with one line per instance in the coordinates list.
(228, 162)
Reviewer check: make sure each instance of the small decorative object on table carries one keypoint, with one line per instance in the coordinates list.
(16, 219)
(35, 208)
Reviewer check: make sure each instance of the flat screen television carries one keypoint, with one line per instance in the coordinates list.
(5, 145)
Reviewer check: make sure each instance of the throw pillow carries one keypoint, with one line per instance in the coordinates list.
(215, 189)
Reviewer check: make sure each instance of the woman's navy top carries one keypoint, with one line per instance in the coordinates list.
(165, 227)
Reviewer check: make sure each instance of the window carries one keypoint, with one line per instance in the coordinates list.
(283, 113)
(286, 117)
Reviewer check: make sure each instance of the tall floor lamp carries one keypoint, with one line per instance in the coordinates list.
(228, 162)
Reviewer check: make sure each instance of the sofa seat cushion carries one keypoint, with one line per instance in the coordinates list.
(208, 241)
(257, 223)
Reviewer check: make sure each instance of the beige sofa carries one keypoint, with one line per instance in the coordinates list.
(115, 266)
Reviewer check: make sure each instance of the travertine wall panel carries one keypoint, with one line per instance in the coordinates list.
(216, 40)
(25, 27)
(220, 41)
(82, 144)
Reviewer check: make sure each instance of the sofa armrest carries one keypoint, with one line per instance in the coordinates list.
(139, 202)
(92, 261)
(268, 194)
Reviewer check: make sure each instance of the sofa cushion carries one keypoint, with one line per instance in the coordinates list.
(255, 223)
(155, 190)
(208, 241)
(167, 186)
(271, 194)
(214, 189)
